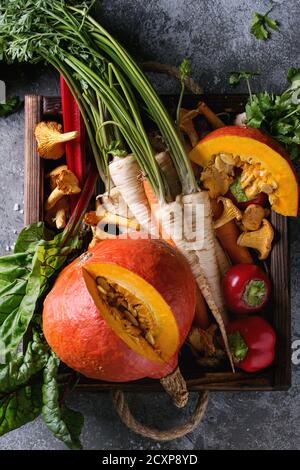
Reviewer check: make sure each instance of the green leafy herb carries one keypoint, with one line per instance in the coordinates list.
(185, 72)
(236, 77)
(29, 274)
(279, 115)
(262, 24)
(115, 148)
(238, 191)
(11, 106)
(64, 423)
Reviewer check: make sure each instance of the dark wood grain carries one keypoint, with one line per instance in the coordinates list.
(277, 377)
(280, 275)
(33, 165)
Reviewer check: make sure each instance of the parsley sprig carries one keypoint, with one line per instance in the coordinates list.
(279, 115)
(11, 106)
(236, 77)
(262, 25)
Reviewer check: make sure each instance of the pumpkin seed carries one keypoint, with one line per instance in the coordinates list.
(100, 289)
(101, 281)
(130, 317)
(149, 338)
(133, 311)
(131, 329)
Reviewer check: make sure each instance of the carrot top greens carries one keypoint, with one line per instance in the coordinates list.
(109, 87)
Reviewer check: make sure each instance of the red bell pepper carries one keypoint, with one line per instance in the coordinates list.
(75, 149)
(252, 343)
(246, 289)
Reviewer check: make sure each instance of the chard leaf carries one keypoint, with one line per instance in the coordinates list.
(19, 407)
(21, 368)
(31, 236)
(41, 260)
(11, 296)
(64, 423)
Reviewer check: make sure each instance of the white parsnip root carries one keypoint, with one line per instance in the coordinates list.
(202, 259)
(126, 176)
(223, 260)
(114, 203)
(168, 169)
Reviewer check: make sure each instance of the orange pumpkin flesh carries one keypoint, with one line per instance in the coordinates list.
(253, 146)
(80, 328)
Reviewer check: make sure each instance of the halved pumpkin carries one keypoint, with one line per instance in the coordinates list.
(254, 147)
(121, 311)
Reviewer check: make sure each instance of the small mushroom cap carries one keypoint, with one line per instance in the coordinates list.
(56, 216)
(260, 240)
(217, 183)
(52, 175)
(67, 182)
(51, 140)
(230, 212)
(252, 217)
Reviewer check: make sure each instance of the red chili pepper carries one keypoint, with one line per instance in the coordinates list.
(252, 343)
(75, 149)
(246, 289)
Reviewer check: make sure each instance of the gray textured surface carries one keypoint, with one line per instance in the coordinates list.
(215, 34)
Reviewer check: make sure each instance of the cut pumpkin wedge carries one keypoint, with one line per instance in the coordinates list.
(254, 147)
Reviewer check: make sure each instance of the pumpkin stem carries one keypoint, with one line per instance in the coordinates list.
(175, 386)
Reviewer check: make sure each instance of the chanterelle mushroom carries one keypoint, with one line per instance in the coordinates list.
(186, 124)
(230, 212)
(51, 140)
(57, 215)
(66, 184)
(216, 182)
(260, 240)
(252, 217)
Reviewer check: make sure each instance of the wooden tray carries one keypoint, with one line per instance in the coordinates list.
(277, 377)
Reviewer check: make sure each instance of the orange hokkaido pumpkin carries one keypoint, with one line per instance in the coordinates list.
(92, 336)
(256, 148)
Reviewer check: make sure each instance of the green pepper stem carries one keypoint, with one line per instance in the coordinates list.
(237, 346)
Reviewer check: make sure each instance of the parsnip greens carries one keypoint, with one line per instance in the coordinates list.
(102, 76)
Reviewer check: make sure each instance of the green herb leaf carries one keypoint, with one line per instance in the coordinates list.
(64, 423)
(293, 74)
(236, 77)
(258, 27)
(185, 69)
(261, 25)
(279, 115)
(116, 148)
(238, 191)
(19, 407)
(11, 106)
